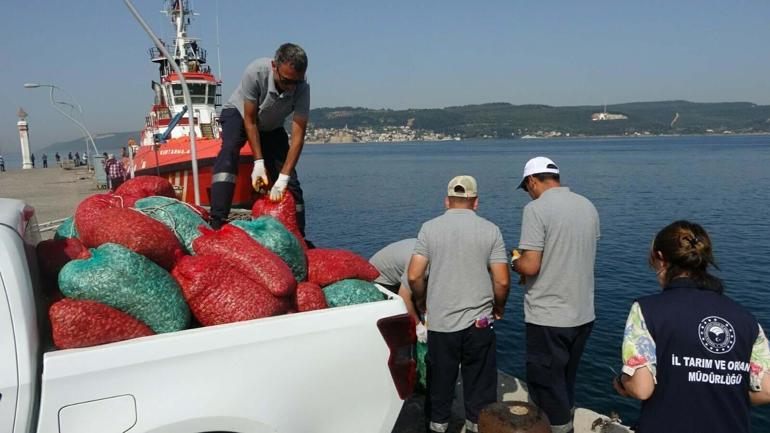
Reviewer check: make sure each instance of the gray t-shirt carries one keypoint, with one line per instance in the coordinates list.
(459, 246)
(565, 227)
(392, 262)
(258, 85)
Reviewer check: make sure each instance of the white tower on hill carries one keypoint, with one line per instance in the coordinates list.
(26, 162)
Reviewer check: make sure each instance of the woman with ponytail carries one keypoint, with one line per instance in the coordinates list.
(696, 358)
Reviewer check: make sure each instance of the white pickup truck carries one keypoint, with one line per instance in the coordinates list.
(339, 370)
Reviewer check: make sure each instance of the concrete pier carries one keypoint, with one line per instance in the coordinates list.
(509, 388)
(53, 192)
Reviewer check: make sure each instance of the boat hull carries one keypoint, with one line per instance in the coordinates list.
(172, 161)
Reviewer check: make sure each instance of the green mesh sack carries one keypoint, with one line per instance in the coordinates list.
(182, 219)
(351, 292)
(274, 236)
(129, 282)
(421, 349)
(66, 230)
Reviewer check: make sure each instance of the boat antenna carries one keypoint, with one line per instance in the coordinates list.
(219, 57)
(185, 92)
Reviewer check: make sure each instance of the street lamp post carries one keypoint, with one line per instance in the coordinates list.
(55, 104)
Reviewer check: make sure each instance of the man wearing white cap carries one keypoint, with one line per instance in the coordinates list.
(559, 230)
(466, 293)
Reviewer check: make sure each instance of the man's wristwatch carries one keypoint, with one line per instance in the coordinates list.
(620, 382)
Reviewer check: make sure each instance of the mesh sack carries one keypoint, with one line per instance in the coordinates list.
(271, 234)
(88, 323)
(284, 211)
(421, 349)
(351, 292)
(144, 186)
(53, 254)
(182, 219)
(250, 258)
(310, 297)
(131, 229)
(218, 293)
(327, 266)
(122, 279)
(66, 229)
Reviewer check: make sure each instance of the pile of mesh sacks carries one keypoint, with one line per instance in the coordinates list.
(139, 262)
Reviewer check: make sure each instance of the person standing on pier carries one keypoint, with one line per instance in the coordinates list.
(559, 232)
(45, 160)
(32, 158)
(696, 358)
(69, 156)
(115, 172)
(270, 90)
(58, 158)
(466, 293)
(77, 159)
(2, 163)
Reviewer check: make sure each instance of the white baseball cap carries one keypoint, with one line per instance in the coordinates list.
(538, 164)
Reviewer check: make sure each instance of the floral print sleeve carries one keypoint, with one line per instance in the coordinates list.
(638, 345)
(760, 361)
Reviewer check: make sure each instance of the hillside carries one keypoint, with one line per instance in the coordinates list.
(505, 120)
(109, 142)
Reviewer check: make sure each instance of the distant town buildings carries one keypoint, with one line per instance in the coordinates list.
(384, 134)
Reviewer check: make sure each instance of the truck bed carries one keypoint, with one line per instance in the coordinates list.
(319, 371)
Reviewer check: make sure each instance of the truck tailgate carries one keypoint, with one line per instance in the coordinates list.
(319, 371)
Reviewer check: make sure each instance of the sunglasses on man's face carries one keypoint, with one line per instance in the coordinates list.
(287, 81)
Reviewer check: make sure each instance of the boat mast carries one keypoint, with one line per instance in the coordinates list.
(187, 54)
(185, 92)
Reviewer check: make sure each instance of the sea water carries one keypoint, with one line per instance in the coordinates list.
(364, 196)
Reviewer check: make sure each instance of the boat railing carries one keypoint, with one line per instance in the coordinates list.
(156, 54)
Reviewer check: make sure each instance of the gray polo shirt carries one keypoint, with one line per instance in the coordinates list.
(459, 246)
(258, 85)
(392, 262)
(565, 227)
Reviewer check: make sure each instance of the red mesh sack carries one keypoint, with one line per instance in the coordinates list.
(310, 297)
(284, 211)
(53, 254)
(218, 293)
(89, 323)
(129, 228)
(144, 186)
(250, 258)
(327, 266)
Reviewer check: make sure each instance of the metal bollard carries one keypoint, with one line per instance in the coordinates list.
(513, 417)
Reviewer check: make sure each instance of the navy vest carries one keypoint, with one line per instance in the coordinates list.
(703, 343)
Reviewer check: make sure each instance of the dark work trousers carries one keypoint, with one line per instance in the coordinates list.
(115, 182)
(473, 350)
(275, 146)
(553, 355)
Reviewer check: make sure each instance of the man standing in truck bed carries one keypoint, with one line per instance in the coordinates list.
(270, 90)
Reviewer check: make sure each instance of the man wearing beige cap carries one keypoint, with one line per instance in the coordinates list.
(559, 230)
(465, 294)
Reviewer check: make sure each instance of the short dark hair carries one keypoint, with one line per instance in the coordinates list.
(542, 177)
(292, 54)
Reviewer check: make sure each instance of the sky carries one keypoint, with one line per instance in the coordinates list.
(390, 54)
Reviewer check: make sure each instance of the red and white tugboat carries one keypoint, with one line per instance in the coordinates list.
(164, 148)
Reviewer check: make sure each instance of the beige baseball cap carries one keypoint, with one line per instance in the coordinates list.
(462, 186)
